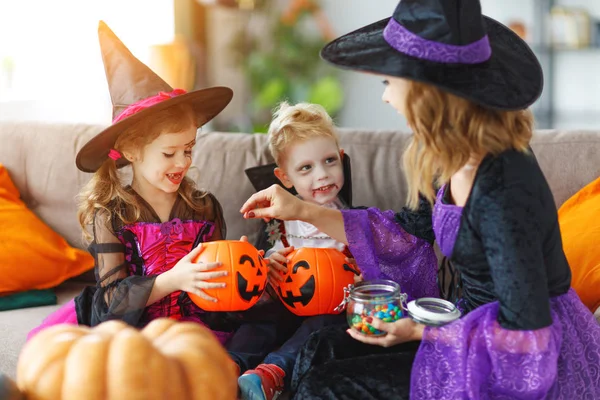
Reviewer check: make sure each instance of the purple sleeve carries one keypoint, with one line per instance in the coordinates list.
(475, 357)
(384, 250)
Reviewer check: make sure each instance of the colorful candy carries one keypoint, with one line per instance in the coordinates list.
(377, 308)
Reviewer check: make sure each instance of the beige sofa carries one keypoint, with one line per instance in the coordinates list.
(41, 161)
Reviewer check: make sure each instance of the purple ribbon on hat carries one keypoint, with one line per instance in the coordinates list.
(413, 45)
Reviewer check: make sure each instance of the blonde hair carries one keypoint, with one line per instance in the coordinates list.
(105, 190)
(448, 131)
(292, 123)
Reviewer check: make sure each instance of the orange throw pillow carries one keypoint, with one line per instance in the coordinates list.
(32, 256)
(579, 219)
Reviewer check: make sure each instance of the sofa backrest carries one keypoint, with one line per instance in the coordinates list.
(41, 161)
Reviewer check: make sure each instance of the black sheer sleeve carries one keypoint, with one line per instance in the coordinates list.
(121, 291)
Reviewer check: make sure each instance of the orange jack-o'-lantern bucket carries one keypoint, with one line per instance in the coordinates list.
(315, 281)
(245, 282)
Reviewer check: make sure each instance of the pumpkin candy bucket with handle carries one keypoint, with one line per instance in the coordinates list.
(246, 279)
(315, 281)
(112, 361)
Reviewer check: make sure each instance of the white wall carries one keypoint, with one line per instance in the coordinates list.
(363, 107)
(59, 75)
(576, 77)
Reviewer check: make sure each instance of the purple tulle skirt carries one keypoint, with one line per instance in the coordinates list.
(475, 358)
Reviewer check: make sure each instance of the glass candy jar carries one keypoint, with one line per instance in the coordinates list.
(378, 298)
(383, 299)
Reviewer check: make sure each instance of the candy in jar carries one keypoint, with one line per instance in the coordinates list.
(377, 299)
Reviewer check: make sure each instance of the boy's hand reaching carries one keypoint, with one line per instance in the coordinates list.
(277, 264)
(244, 238)
(357, 278)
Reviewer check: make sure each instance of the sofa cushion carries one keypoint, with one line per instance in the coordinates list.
(32, 256)
(15, 324)
(221, 159)
(41, 159)
(579, 219)
(569, 160)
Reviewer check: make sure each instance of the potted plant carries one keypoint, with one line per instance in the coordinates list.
(283, 62)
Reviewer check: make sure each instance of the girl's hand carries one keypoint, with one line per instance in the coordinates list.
(276, 263)
(273, 202)
(400, 331)
(192, 277)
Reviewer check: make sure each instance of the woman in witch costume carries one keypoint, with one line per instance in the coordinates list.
(464, 83)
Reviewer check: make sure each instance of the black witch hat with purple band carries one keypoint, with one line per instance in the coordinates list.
(449, 44)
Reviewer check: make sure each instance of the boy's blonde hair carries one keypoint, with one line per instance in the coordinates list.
(448, 130)
(293, 123)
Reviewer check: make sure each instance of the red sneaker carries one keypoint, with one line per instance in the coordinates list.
(263, 383)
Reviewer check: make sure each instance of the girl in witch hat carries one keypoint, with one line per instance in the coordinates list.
(146, 234)
(464, 83)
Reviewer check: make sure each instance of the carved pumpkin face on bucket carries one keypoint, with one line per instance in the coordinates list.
(246, 280)
(315, 281)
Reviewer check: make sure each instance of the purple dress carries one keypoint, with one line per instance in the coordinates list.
(476, 358)
(383, 249)
(524, 333)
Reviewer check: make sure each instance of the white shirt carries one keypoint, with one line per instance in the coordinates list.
(302, 234)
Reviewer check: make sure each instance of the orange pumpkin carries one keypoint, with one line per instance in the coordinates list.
(246, 280)
(166, 360)
(315, 281)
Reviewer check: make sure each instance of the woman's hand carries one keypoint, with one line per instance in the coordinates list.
(192, 277)
(273, 202)
(277, 264)
(400, 331)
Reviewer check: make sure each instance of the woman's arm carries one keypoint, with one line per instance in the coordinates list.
(377, 239)
(327, 220)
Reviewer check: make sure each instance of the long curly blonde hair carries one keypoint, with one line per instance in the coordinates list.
(448, 131)
(106, 192)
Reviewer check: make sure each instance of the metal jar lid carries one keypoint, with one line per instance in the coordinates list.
(432, 311)
(374, 291)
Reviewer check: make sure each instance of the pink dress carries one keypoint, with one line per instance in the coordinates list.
(129, 257)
